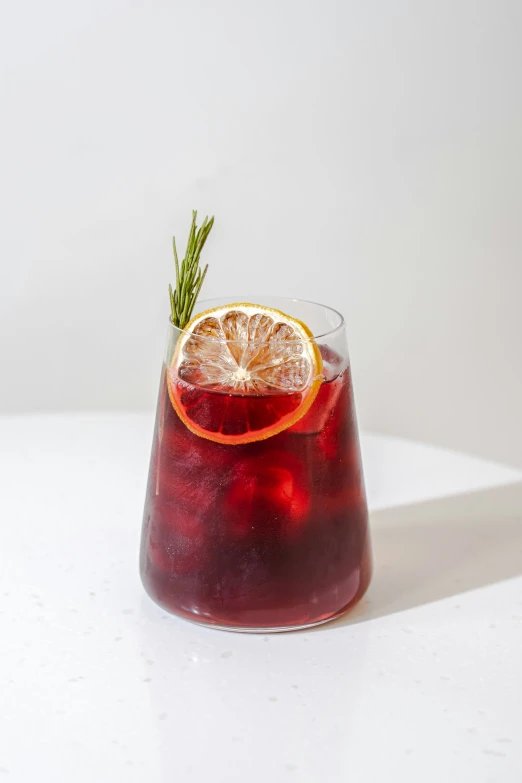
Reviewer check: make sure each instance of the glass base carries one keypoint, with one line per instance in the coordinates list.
(190, 618)
(283, 629)
(222, 624)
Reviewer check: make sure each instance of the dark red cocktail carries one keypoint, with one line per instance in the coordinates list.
(270, 534)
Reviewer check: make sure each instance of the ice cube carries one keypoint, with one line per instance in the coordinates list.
(332, 362)
(187, 463)
(177, 539)
(266, 495)
(322, 407)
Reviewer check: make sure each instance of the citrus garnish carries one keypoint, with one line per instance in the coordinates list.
(243, 372)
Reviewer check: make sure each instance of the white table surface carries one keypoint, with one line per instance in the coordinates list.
(422, 682)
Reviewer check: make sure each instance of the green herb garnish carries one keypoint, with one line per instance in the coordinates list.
(189, 275)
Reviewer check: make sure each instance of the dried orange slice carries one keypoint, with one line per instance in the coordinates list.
(243, 372)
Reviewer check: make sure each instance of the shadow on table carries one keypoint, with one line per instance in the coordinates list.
(441, 548)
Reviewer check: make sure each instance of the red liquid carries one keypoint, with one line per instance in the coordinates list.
(272, 534)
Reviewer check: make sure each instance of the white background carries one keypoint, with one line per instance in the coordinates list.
(367, 155)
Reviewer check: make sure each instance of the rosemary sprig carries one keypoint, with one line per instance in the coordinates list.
(189, 275)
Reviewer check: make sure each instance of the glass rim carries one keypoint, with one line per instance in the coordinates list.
(239, 300)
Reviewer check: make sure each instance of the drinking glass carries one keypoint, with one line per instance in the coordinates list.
(270, 535)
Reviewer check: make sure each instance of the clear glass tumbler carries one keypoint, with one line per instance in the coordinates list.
(261, 536)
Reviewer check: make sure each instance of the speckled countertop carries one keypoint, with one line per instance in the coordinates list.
(423, 682)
